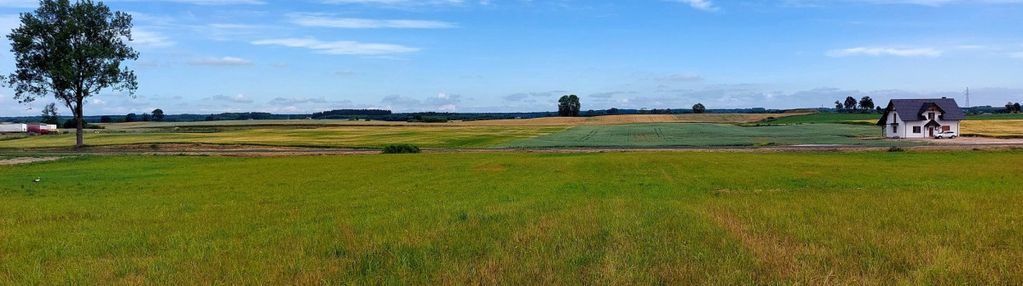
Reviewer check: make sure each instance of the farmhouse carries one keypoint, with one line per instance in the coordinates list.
(920, 118)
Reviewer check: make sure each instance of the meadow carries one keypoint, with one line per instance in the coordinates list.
(707, 135)
(516, 218)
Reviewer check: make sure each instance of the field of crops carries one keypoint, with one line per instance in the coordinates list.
(993, 128)
(676, 218)
(696, 135)
(350, 136)
(825, 118)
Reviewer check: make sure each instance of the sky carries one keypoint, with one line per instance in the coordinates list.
(301, 56)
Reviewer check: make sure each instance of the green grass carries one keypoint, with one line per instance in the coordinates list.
(824, 118)
(702, 135)
(618, 218)
(340, 136)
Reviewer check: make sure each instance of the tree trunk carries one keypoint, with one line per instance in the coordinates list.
(79, 126)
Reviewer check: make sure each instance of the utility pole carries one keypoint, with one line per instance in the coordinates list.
(968, 97)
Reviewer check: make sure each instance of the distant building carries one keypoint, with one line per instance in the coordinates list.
(920, 118)
(13, 128)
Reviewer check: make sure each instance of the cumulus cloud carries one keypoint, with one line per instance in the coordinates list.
(338, 47)
(881, 51)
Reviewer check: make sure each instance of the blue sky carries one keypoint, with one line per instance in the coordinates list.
(211, 56)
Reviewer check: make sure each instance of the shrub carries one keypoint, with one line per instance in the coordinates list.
(895, 149)
(401, 149)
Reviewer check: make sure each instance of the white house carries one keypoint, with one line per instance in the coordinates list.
(920, 118)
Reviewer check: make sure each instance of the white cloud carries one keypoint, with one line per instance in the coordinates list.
(705, 5)
(239, 98)
(879, 51)
(338, 47)
(223, 61)
(320, 20)
(149, 38)
(931, 3)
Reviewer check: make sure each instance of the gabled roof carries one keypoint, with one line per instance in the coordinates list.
(913, 109)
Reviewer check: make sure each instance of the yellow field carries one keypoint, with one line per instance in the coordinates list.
(547, 121)
(634, 118)
(993, 128)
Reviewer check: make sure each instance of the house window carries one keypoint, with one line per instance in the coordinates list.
(946, 128)
(930, 116)
(916, 129)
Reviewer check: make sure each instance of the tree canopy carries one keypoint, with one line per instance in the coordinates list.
(699, 108)
(569, 105)
(72, 50)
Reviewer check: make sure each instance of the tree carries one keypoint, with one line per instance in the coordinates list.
(50, 114)
(569, 105)
(1016, 107)
(839, 106)
(866, 103)
(699, 108)
(72, 51)
(1010, 107)
(131, 117)
(158, 115)
(146, 117)
(850, 103)
(105, 119)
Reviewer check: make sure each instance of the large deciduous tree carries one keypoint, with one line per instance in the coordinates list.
(850, 103)
(72, 50)
(867, 103)
(699, 108)
(569, 105)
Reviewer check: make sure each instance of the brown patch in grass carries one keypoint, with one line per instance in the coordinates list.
(775, 256)
(26, 160)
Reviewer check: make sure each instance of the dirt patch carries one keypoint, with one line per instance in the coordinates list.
(26, 160)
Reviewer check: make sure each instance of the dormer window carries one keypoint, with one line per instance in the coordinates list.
(930, 116)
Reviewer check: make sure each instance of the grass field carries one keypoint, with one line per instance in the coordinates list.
(350, 136)
(993, 128)
(617, 218)
(698, 135)
(824, 118)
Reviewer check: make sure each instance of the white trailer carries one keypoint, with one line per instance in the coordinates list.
(13, 128)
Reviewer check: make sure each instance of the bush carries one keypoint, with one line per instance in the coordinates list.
(895, 149)
(401, 149)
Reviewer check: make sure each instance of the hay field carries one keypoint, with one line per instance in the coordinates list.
(633, 118)
(348, 137)
(992, 128)
(675, 218)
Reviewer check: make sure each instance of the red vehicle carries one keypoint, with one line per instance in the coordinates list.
(41, 128)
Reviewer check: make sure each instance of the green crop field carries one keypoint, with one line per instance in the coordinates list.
(352, 136)
(824, 118)
(672, 218)
(699, 135)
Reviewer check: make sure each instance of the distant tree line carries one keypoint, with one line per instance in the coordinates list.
(851, 105)
(1012, 107)
(349, 113)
